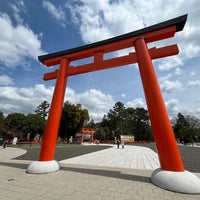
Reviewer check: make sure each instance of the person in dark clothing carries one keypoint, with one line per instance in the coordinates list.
(122, 144)
(5, 143)
(118, 143)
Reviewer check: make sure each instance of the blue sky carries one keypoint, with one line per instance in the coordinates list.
(32, 28)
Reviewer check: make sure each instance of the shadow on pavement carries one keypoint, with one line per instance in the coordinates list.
(98, 172)
(108, 173)
(15, 165)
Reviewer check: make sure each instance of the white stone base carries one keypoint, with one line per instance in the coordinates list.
(182, 182)
(42, 167)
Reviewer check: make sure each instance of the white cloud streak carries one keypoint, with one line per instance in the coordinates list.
(56, 13)
(169, 86)
(6, 80)
(193, 83)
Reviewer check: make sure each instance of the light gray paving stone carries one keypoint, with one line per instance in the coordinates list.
(84, 181)
(129, 157)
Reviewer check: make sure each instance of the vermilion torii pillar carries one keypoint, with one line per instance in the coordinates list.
(169, 155)
(49, 140)
(172, 169)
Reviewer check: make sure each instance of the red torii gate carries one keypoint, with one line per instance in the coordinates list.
(169, 156)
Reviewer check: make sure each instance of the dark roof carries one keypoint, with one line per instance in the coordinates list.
(179, 22)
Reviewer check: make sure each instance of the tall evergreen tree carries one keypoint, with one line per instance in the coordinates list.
(116, 118)
(43, 109)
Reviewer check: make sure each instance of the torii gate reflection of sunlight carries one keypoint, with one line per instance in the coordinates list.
(169, 156)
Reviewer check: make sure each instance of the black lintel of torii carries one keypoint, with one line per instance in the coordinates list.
(179, 22)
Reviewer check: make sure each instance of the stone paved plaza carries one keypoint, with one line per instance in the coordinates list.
(107, 174)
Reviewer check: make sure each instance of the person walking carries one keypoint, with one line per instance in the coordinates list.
(122, 144)
(118, 143)
(5, 143)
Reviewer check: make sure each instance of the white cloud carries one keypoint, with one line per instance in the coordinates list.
(172, 107)
(15, 47)
(17, 8)
(6, 80)
(95, 101)
(57, 13)
(169, 86)
(193, 83)
(189, 43)
(178, 71)
(170, 63)
(166, 77)
(23, 100)
(123, 95)
(98, 20)
(136, 103)
(192, 73)
(16, 14)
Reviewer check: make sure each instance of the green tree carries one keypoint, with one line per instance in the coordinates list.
(43, 109)
(90, 124)
(116, 118)
(140, 124)
(194, 127)
(35, 124)
(181, 126)
(127, 121)
(16, 123)
(186, 128)
(3, 128)
(102, 133)
(72, 120)
(1, 117)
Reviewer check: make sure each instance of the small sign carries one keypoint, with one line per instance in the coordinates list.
(14, 140)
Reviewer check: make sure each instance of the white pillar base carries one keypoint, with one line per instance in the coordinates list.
(182, 182)
(42, 167)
